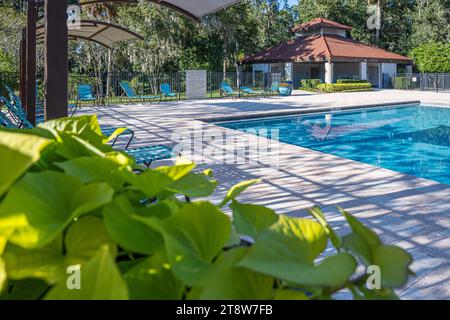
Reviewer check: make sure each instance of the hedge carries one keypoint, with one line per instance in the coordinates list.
(341, 81)
(310, 83)
(336, 87)
(400, 82)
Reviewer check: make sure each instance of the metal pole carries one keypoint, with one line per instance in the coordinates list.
(31, 62)
(56, 59)
(23, 67)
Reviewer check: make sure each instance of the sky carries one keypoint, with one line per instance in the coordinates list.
(291, 2)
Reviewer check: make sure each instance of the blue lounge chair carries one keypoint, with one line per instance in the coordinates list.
(15, 109)
(5, 121)
(19, 115)
(146, 155)
(274, 89)
(226, 89)
(85, 94)
(17, 102)
(131, 95)
(166, 91)
(251, 92)
(143, 156)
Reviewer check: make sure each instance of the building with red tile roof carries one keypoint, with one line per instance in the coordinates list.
(322, 50)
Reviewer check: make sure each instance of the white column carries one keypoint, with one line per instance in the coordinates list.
(253, 75)
(289, 71)
(363, 70)
(328, 72)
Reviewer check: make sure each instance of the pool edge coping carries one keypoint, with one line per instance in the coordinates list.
(300, 111)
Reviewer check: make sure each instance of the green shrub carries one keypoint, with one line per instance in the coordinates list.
(400, 82)
(72, 206)
(340, 81)
(432, 57)
(337, 87)
(310, 83)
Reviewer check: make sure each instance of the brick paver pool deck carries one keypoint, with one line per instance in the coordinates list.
(407, 211)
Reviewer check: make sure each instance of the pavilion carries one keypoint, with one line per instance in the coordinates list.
(322, 50)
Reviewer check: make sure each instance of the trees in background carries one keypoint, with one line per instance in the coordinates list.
(432, 57)
(173, 42)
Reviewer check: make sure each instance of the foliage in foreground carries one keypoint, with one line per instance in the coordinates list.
(69, 201)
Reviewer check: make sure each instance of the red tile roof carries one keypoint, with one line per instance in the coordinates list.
(320, 22)
(317, 47)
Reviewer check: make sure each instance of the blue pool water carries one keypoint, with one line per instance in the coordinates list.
(410, 139)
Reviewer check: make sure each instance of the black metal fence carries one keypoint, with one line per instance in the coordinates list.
(438, 82)
(109, 85)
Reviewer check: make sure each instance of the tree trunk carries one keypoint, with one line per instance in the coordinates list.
(108, 73)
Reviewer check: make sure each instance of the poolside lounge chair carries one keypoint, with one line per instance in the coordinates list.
(143, 156)
(131, 95)
(147, 155)
(85, 94)
(251, 92)
(5, 121)
(166, 91)
(18, 114)
(15, 109)
(274, 89)
(226, 89)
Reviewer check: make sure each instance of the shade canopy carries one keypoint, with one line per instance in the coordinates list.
(103, 33)
(194, 9)
(197, 8)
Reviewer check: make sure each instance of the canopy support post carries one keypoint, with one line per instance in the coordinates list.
(56, 59)
(30, 101)
(23, 68)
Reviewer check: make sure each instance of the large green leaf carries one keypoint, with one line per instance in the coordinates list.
(43, 204)
(128, 232)
(236, 190)
(71, 147)
(100, 280)
(85, 237)
(3, 275)
(84, 127)
(251, 219)
(370, 237)
(82, 241)
(46, 263)
(153, 279)
(27, 289)
(320, 217)
(17, 153)
(193, 236)
(288, 250)
(90, 169)
(194, 185)
(358, 246)
(394, 264)
(150, 182)
(154, 181)
(177, 171)
(227, 281)
(289, 294)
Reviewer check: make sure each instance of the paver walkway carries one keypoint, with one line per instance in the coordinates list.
(407, 211)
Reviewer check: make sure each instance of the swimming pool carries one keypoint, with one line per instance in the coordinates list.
(411, 139)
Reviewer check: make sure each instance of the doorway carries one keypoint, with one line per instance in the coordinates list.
(374, 76)
(315, 73)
